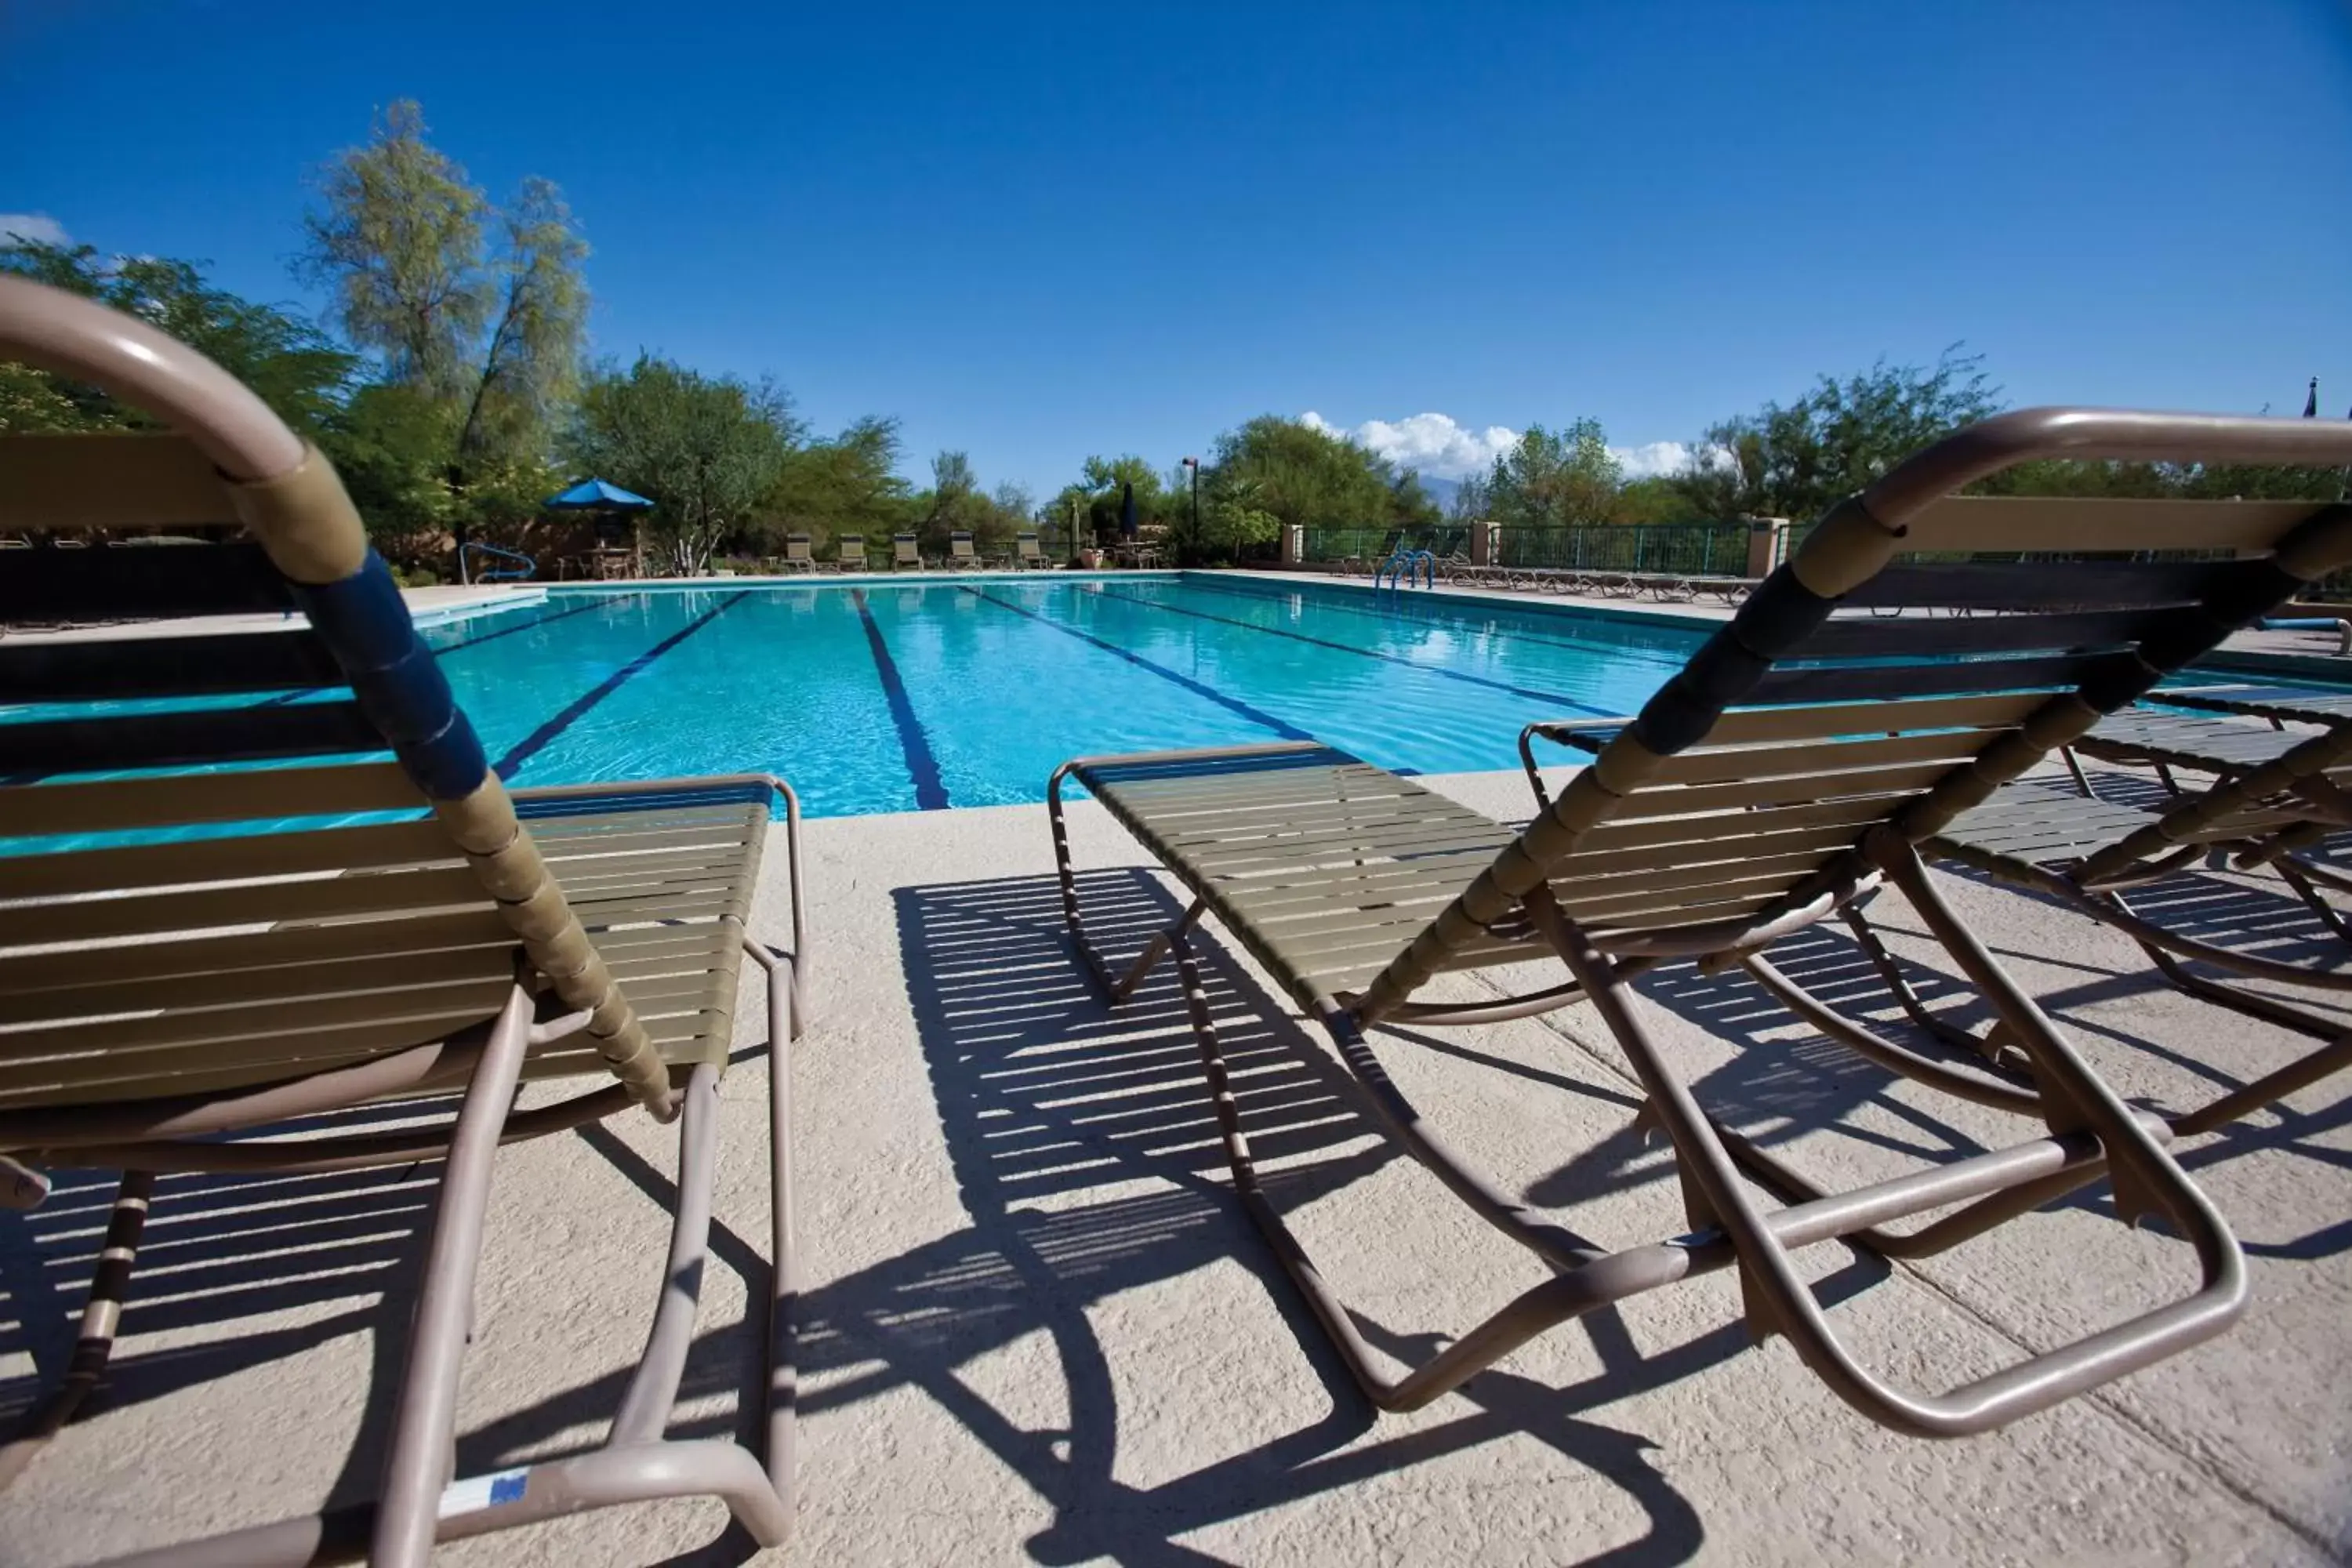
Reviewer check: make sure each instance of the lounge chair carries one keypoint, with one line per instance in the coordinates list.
(906, 553)
(1027, 553)
(2085, 852)
(1798, 760)
(798, 556)
(160, 989)
(2279, 704)
(849, 552)
(961, 555)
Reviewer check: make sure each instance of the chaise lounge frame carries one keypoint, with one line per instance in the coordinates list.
(461, 901)
(1783, 795)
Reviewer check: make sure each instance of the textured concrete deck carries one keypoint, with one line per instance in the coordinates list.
(1037, 1329)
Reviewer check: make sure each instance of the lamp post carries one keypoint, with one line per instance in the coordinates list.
(1194, 464)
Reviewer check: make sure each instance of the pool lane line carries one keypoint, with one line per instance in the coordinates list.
(530, 745)
(922, 768)
(1553, 698)
(1257, 716)
(529, 621)
(1347, 605)
(283, 697)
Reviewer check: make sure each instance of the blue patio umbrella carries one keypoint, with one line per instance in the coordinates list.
(598, 495)
(605, 500)
(2311, 400)
(1127, 511)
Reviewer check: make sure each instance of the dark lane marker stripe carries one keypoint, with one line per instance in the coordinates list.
(1281, 727)
(530, 745)
(528, 622)
(1553, 698)
(923, 768)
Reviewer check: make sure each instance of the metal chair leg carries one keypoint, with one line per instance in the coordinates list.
(101, 1316)
(427, 1410)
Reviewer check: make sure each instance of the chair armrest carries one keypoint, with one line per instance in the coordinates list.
(1585, 735)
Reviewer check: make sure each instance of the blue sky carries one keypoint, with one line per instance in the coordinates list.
(1038, 232)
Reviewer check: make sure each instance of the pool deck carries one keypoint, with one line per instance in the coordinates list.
(1037, 1329)
(427, 608)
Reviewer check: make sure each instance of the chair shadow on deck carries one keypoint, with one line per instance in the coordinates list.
(1055, 1107)
(1776, 1088)
(1087, 1158)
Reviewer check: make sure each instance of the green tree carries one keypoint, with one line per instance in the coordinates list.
(1303, 476)
(1799, 460)
(1656, 499)
(401, 241)
(390, 443)
(1411, 506)
(1554, 478)
(707, 450)
(1096, 496)
(399, 244)
(953, 503)
(848, 484)
(1471, 503)
(294, 367)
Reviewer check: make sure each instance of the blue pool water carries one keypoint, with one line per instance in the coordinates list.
(898, 697)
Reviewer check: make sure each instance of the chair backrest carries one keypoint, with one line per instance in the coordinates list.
(796, 547)
(849, 548)
(959, 545)
(349, 683)
(1737, 803)
(903, 547)
(1026, 543)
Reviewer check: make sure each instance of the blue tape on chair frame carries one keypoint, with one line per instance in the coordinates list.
(361, 618)
(394, 675)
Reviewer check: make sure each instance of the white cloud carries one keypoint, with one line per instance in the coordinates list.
(31, 228)
(1653, 458)
(1433, 443)
(1438, 444)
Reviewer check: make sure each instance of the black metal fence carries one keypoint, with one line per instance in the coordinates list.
(1331, 546)
(1704, 549)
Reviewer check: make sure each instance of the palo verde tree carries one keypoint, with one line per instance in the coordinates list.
(705, 450)
(480, 312)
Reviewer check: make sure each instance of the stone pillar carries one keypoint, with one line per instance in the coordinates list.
(1294, 545)
(1767, 544)
(1486, 542)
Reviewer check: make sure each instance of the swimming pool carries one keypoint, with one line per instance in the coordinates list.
(951, 692)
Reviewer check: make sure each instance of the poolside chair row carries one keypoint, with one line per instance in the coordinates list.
(906, 554)
(178, 963)
(1665, 587)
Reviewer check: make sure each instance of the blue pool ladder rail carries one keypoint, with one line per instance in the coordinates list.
(473, 550)
(1398, 568)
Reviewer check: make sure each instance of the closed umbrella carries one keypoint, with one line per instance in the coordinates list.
(1127, 511)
